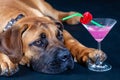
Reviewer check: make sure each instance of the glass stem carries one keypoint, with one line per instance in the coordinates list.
(99, 49)
(99, 46)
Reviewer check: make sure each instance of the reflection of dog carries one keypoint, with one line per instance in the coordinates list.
(29, 36)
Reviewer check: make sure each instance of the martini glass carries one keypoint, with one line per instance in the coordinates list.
(99, 33)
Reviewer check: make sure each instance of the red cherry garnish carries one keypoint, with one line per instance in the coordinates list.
(87, 17)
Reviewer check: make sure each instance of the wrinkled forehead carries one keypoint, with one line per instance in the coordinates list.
(43, 28)
(35, 30)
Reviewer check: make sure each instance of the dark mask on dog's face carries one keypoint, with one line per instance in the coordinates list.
(46, 48)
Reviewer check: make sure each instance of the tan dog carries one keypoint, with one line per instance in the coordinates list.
(31, 33)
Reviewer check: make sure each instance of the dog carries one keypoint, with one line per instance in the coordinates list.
(32, 34)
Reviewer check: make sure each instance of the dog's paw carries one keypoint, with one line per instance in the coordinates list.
(93, 55)
(7, 68)
(97, 56)
(25, 61)
(74, 20)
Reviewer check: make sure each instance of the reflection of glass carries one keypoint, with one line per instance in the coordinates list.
(99, 33)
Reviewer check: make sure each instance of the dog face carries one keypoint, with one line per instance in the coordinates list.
(43, 43)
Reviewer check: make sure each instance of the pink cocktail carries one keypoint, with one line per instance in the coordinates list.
(99, 33)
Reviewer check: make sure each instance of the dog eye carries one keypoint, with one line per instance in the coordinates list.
(38, 42)
(43, 35)
(59, 25)
(59, 35)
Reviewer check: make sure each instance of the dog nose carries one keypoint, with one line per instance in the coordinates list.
(63, 54)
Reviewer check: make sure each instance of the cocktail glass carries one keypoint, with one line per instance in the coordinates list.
(99, 33)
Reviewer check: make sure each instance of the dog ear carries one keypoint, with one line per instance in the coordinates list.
(11, 43)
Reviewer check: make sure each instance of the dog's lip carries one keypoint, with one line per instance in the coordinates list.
(59, 68)
(69, 64)
(55, 71)
(58, 71)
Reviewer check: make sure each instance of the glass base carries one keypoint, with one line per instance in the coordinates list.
(100, 68)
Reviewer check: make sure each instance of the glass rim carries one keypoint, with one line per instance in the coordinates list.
(101, 20)
(106, 18)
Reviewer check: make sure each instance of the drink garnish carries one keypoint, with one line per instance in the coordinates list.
(85, 18)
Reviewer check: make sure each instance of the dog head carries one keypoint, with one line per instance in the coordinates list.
(42, 41)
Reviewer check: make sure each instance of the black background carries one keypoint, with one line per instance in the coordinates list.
(110, 45)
